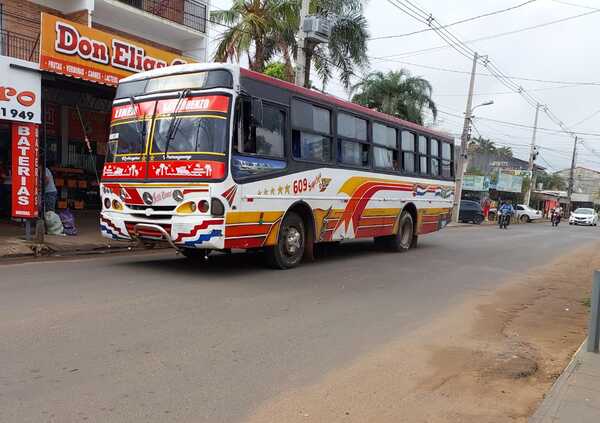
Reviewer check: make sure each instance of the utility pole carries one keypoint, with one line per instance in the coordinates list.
(462, 161)
(571, 173)
(532, 155)
(301, 37)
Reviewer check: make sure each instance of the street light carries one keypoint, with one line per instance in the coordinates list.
(463, 158)
(487, 103)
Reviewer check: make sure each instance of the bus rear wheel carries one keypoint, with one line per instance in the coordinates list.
(404, 239)
(289, 250)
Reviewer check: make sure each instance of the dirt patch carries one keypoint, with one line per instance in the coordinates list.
(492, 359)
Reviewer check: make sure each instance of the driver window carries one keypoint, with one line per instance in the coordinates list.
(263, 140)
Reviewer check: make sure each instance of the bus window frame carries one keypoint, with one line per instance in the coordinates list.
(342, 138)
(266, 102)
(331, 135)
(414, 152)
(393, 169)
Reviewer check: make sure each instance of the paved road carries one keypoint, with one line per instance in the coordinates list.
(154, 338)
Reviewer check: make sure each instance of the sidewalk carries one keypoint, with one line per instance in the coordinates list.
(575, 397)
(88, 239)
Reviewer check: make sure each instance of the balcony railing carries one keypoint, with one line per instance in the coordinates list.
(19, 46)
(190, 13)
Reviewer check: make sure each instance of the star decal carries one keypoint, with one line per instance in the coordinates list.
(287, 189)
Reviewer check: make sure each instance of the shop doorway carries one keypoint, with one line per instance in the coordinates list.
(74, 109)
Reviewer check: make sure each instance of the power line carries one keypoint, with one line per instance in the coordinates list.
(574, 4)
(501, 34)
(586, 119)
(484, 15)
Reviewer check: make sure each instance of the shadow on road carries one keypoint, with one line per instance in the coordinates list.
(251, 262)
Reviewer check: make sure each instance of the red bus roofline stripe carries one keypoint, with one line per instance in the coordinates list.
(341, 103)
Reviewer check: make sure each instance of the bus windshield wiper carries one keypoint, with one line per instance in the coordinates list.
(138, 124)
(174, 124)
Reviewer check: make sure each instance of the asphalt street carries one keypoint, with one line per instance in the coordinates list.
(152, 337)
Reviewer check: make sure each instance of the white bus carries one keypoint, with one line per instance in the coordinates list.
(217, 157)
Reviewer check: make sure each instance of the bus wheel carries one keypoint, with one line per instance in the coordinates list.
(405, 238)
(290, 244)
(195, 254)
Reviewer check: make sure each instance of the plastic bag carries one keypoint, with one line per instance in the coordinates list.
(54, 225)
(68, 222)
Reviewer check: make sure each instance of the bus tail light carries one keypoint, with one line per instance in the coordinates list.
(203, 206)
(216, 206)
(186, 208)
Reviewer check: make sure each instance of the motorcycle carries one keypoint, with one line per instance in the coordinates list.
(504, 220)
(555, 219)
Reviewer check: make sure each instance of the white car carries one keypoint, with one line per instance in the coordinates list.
(527, 214)
(583, 216)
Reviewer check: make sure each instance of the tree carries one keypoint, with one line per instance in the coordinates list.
(504, 152)
(483, 146)
(346, 50)
(277, 70)
(396, 93)
(253, 25)
(551, 181)
(265, 29)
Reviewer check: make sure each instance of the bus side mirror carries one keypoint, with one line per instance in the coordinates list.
(257, 111)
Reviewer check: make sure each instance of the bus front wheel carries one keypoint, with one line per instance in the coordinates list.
(288, 251)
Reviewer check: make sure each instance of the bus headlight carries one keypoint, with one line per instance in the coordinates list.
(178, 196)
(186, 208)
(107, 203)
(117, 205)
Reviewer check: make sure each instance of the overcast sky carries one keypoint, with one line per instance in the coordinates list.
(565, 51)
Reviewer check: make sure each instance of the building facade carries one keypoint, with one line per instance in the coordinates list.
(585, 181)
(60, 62)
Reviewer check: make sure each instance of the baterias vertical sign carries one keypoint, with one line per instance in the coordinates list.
(25, 170)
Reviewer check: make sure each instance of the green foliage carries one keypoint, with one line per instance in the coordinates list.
(276, 70)
(396, 93)
(551, 181)
(265, 29)
(473, 170)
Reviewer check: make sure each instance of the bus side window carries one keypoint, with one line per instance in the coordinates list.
(263, 140)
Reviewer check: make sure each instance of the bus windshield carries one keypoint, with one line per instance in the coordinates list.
(190, 134)
(127, 138)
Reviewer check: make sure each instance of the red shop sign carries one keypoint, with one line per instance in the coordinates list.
(25, 170)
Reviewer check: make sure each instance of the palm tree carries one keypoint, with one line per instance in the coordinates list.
(265, 29)
(396, 93)
(252, 25)
(504, 152)
(346, 50)
(484, 146)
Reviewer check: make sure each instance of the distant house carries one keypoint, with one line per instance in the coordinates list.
(585, 181)
(489, 163)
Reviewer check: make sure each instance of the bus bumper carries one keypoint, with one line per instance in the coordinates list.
(179, 231)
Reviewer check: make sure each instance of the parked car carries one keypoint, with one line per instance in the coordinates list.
(527, 214)
(470, 211)
(583, 216)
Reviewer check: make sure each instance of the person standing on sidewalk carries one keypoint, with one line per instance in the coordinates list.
(50, 192)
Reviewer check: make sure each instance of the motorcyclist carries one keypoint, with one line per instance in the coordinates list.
(556, 215)
(506, 211)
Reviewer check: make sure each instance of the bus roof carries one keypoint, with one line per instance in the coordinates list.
(316, 95)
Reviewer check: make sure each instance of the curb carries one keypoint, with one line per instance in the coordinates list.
(549, 398)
